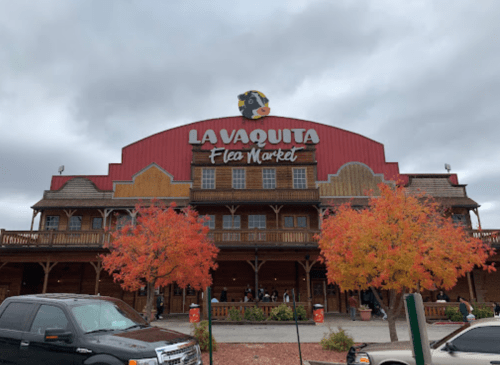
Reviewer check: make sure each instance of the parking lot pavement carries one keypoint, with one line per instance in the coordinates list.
(370, 331)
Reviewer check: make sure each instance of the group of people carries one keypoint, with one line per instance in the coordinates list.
(263, 295)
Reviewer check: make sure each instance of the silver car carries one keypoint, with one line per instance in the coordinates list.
(477, 343)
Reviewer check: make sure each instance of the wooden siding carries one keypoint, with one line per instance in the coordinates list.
(253, 175)
(353, 179)
(261, 195)
(151, 183)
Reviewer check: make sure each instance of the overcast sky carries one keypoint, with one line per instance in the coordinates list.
(79, 80)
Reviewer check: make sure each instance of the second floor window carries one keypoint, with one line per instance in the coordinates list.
(257, 221)
(209, 221)
(295, 221)
(75, 223)
(123, 220)
(208, 179)
(231, 222)
(268, 178)
(238, 179)
(52, 222)
(97, 223)
(299, 179)
(459, 219)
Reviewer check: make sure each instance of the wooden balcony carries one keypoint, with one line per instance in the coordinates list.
(264, 237)
(490, 236)
(224, 196)
(23, 239)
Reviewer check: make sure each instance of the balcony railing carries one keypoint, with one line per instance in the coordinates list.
(263, 237)
(254, 195)
(97, 238)
(53, 238)
(491, 236)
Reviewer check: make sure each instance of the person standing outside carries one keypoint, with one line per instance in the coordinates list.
(223, 295)
(159, 306)
(286, 297)
(353, 304)
(464, 309)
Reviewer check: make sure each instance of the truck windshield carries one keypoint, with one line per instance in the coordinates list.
(106, 315)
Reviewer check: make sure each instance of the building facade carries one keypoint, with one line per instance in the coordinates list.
(264, 184)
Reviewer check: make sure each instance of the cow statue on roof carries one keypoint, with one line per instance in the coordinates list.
(253, 104)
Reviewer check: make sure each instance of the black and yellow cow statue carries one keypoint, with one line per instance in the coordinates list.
(253, 104)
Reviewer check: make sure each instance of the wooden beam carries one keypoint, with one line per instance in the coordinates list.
(97, 268)
(3, 264)
(46, 268)
(35, 213)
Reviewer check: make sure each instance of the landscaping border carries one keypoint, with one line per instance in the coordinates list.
(309, 322)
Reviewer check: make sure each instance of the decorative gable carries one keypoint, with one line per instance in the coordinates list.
(77, 188)
(151, 182)
(352, 179)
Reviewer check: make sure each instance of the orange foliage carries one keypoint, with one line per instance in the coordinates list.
(164, 246)
(400, 241)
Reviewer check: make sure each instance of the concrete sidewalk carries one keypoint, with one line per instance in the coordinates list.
(375, 330)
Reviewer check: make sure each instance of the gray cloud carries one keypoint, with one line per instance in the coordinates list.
(419, 77)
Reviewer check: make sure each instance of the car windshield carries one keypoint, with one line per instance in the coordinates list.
(104, 315)
(445, 339)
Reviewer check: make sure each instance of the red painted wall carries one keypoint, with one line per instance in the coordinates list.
(170, 150)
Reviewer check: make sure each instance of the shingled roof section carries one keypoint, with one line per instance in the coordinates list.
(101, 203)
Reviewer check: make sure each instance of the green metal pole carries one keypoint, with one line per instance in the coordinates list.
(296, 324)
(415, 331)
(210, 323)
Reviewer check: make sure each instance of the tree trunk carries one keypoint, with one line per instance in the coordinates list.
(391, 319)
(392, 311)
(150, 299)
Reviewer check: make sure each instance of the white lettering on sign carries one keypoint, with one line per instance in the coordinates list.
(255, 155)
(257, 136)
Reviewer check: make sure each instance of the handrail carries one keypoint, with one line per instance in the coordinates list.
(255, 195)
(263, 236)
(53, 238)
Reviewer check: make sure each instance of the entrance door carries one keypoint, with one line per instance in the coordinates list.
(176, 304)
(318, 293)
(332, 298)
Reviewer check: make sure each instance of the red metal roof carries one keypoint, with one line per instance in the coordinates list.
(170, 150)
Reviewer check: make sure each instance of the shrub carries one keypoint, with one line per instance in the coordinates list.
(301, 313)
(201, 334)
(281, 313)
(254, 314)
(337, 341)
(453, 314)
(482, 311)
(234, 314)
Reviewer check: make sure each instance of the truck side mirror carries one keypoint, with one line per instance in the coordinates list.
(57, 334)
(450, 347)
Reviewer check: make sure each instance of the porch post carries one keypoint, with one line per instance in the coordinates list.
(307, 267)
(46, 268)
(35, 213)
(97, 268)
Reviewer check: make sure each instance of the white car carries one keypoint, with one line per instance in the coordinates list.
(472, 344)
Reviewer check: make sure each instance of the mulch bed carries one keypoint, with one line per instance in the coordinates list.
(271, 353)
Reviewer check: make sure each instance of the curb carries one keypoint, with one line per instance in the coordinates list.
(267, 323)
(322, 363)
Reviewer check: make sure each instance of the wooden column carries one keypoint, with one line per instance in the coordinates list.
(321, 214)
(35, 213)
(97, 268)
(256, 267)
(276, 210)
(46, 268)
(307, 267)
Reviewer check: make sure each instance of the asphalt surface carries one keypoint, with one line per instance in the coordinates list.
(375, 330)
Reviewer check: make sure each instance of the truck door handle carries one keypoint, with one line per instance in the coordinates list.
(494, 362)
(25, 343)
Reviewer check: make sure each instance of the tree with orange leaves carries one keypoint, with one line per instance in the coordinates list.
(162, 247)
(399, 243)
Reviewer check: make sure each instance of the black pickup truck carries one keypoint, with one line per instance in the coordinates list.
(89, 330)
